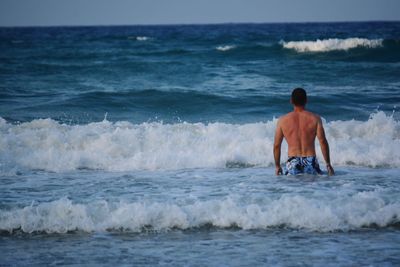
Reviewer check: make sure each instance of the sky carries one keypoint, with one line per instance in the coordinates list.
(130, 12)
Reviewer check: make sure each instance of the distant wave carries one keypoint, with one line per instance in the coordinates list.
(142, 38)
(48, 145)
(139, 38)
(340, 212)
(225, 47)
(332, 44)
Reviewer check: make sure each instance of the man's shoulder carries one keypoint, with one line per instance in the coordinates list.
(313, 115)
(285, 117)
(291, 115)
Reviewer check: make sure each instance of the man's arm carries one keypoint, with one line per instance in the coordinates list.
(277, 148)
(324, 146)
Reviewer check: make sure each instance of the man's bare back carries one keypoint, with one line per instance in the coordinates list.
(300, 128)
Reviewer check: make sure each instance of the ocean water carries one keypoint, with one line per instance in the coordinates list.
(152, 145)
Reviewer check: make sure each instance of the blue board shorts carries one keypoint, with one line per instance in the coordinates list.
(298, 165)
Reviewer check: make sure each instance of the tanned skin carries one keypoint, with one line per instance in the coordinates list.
(300, 128)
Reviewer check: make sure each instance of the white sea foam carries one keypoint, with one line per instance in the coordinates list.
(342, 212)
(331, 44)
(122, 146)
(225, 47)
(142, 38)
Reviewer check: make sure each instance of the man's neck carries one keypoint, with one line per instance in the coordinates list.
(299, 108)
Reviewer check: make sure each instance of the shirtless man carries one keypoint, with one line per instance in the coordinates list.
(300, 128)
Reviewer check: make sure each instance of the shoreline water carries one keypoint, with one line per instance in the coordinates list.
(367, 191)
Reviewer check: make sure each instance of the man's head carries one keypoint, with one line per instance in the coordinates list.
(299, 97)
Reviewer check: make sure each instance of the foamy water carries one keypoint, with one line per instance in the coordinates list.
(225, 47)
(48, 145)
(142, 38)
(332, 44)
(341, 212)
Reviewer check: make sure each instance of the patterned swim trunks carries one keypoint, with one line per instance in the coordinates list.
(298, 165)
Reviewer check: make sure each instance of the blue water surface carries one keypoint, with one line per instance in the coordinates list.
(152, 145)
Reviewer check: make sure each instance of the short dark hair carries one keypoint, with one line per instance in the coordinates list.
(299, 97)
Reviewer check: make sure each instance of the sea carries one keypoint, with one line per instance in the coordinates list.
(152, 145)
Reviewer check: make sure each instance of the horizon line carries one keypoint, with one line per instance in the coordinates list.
(195, 24)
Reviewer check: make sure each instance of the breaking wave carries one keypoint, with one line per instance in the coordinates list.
(46, 144)
(332, 44)
(139, 38)
(339, 213)
(225, 47)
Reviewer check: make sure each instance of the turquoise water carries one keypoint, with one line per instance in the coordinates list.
(152, 145)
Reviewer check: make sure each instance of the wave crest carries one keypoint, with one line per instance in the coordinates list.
(224, 48)
(139, 38)
(332, 44)
(122, 146)
(343, 212)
